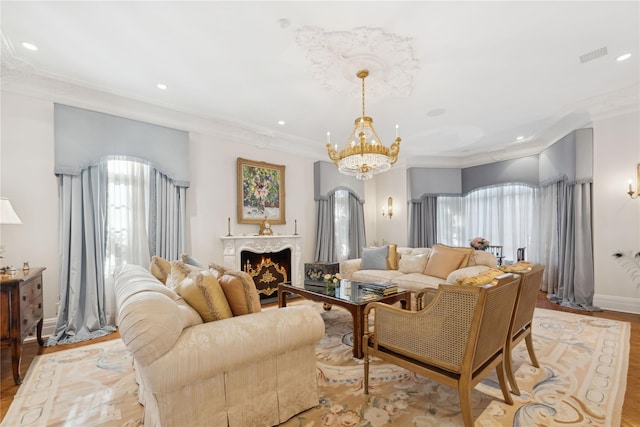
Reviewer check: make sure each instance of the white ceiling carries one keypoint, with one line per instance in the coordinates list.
(462, 79)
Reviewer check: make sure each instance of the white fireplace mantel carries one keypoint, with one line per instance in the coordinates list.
(234, 245)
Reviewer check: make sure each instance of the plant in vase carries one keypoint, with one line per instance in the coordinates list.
(479, 244)
(332, 281)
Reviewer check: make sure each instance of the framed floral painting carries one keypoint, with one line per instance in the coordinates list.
(260, 192)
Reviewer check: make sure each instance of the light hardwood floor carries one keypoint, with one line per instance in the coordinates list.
(630, 410)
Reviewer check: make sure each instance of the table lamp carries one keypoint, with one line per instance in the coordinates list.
(7, 216)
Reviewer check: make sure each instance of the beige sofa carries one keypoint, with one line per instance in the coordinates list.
(417, 269)
(257, 369)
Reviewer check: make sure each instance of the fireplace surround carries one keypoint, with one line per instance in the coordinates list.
(234, 246)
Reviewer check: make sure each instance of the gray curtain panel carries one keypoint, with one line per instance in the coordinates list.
(572, 279)
(357, 234)
(167, 216)
(423, 222)
(83, 201)
(325, 229)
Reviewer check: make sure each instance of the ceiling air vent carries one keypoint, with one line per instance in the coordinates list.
(595, 54)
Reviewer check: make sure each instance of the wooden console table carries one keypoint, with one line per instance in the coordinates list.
(21, 300)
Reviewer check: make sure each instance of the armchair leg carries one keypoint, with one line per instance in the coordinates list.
(508, 366)
(532, 354)
(464, 391)
(366, 372)
(503, 384)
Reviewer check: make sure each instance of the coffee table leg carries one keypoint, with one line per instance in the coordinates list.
(358, 331)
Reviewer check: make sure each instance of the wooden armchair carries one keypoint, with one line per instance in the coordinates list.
(521, 324)
(457, 339)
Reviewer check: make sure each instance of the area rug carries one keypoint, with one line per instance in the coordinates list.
(581, 381)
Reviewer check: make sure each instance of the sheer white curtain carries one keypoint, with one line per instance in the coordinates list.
(341, 225)
(127, 220)
(506, 215)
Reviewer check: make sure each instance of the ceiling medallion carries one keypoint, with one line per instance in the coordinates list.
(364, 154)
(337, 56)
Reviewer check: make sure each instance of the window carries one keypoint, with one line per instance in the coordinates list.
(341, 224)
(505, 215)
(127, 214)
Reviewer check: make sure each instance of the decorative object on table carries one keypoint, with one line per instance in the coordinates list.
(228, 226)
(479, 243)
(265, 228)
(295, 227)
(332, 281)
(25, 267)
(260, 192)
(364, 155)
(8, 216)
(314, 272)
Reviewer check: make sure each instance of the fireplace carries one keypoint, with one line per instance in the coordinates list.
(283, 250)
(267, 270)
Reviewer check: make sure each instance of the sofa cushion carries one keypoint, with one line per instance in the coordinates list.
(201, 290)
(375, 258)
(160, 268)
(483, 258)
(444, 260)
(375, 276)
(413, 263)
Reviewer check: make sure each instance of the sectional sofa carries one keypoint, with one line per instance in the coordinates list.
(416, 269)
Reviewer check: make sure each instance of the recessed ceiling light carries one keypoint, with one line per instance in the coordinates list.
(436, 112)
(161, 86)
(520, 138)
(281, 122)
(623, 57)
(29, 46)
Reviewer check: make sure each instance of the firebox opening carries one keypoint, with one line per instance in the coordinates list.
(267, 270)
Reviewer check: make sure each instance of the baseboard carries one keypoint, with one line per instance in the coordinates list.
(610, 302)
(48, 328)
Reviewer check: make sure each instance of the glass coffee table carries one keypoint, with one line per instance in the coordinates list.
(350, 296)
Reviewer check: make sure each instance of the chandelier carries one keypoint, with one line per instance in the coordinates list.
(364, 154)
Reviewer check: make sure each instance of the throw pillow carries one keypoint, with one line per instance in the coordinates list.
(374, 258)
(413, 263)
(240, 291)
(518, 267)
(466, 251)
(443, 261)
(483, 258)
(481, 279)
(201, 290)
(179, 270)
(188, 259)
(160, 268)
(392, 257)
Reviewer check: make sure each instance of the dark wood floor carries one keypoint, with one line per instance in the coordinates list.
(630, 410)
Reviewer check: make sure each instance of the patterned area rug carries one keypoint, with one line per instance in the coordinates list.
(581, 381)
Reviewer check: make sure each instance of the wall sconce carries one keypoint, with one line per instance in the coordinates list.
(388, 210)
(631, 193)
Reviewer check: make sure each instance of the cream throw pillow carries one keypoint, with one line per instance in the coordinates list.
(201, 290)
(413, 263)
(179, 270)
(444, 260)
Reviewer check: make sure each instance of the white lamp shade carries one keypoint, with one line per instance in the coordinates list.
(7, 214)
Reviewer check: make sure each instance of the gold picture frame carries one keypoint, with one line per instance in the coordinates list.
(260, 192)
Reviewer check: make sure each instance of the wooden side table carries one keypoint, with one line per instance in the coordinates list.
(21, 305)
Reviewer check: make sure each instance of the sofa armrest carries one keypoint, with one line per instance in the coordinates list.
(350, 266)
(209, 349)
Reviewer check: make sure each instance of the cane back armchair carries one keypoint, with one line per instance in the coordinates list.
(457, 339)
(521, 325)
